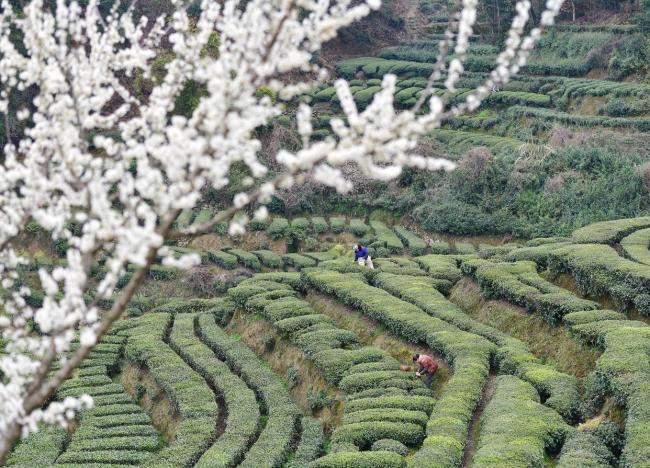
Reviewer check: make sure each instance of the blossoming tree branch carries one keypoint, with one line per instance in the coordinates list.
(122, 167)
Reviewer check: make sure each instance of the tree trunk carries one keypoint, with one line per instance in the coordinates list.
(573, 11)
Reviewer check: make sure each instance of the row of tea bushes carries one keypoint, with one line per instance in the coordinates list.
(520, 284)
(275, 442)
(636, 246)
(622, 371)
(115, 430)
(447, 429)
(609, 232)
(600, 271)
(516, 429)
(345, 364)
(190, 395)
(512, 355)
(548, 115)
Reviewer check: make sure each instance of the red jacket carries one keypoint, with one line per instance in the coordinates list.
(427, 364)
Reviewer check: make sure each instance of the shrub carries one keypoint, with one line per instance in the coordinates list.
(390, 445)
(223, 259)
(298, 261)
(360, 460)
(386, 237)
(358, 227)
(319, 225)
(278, 228)
(256, 224)
(417, 245)
(337, 225)
(319, 400)
(269, 258)
(248, 259)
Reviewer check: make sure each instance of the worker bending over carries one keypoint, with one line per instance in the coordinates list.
(361, 256)
(428, 368)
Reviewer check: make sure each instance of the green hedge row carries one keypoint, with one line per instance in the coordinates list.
(310, 446)
(115, 430)
(223, 259)
(343, 363)
(585, 449)
(636, 246)
(515, 112)
(360, 460)
(538, 254)
(300, 224)
(520, 284)
(599, 270)
(269, 258)
(184, 219)
(623, 372)
(298, 261)
(388, 265)
(386, 238)
(274, 444)
(278, 228)
(512, 355)
(337, 224)
(187, 306)
(609, 232)
(358, 227)
(516, 429)
(203, 216)
(320, 256)
(185, 388)
(469, 354)
(319, 225)
(417, 245)
(39, 449)
(443, 267)
(241, 405)
(248, 259)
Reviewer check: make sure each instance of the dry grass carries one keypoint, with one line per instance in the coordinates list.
(553, 345)
(153, 400)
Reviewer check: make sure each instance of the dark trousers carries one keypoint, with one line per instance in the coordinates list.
(428, 379)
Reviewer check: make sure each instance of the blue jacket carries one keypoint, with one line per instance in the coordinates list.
(361, 253)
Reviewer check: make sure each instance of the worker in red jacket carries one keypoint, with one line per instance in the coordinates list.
(428, 368)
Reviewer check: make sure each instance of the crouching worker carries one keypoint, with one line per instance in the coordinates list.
(362, 256)
(427, 368)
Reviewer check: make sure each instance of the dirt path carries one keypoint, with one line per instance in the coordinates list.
(475, 425)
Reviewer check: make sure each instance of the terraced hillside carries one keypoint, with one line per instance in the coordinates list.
(562, 145)
(296, 360)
